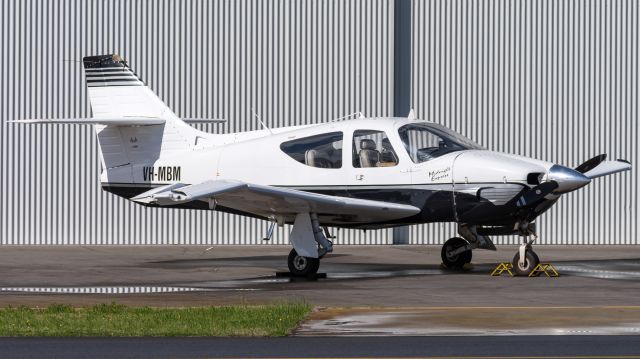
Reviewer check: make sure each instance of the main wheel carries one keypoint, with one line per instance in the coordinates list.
(300, 266)
(455, 261)
(531, 261)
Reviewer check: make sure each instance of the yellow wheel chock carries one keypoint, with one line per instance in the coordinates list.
(545, 268)
(506, 267)
(501, 268)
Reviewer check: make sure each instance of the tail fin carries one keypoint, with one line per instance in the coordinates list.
(134, 127)
(116, 91)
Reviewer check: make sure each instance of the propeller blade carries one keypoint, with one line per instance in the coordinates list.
(536, 194)
(591, 164)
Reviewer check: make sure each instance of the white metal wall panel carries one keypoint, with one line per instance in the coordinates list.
(554, 80)
(293, 62)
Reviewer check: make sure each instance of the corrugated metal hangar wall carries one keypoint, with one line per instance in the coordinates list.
(553, 80)
(556, 80)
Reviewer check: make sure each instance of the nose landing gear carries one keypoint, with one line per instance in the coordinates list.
(526, 260)
(528, 263)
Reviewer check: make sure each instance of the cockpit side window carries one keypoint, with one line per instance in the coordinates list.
(372, 148)
(427, 141)
(322, 151)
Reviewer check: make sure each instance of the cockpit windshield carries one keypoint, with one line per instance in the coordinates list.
(426, 141)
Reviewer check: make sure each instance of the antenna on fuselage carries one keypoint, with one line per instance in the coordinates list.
(262, 123)
(359, 114)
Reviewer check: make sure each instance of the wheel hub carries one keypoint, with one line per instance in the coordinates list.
(300, 263)
(451, 257)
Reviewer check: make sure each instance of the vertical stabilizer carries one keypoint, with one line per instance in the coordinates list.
(116, 91)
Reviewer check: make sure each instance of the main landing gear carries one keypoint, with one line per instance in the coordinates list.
(300, 266)
(456, 252)
(310, 244)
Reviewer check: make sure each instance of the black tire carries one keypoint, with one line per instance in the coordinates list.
(300, 266)
(531, 261)
(460, 259)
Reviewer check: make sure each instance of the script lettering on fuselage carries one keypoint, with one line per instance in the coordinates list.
(161, 173)
(439, 174)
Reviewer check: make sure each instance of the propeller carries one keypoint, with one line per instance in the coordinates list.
(591, 164)
(536, 194)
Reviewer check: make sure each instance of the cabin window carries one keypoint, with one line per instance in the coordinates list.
(372, 148)
(322, 151)
(426, 141)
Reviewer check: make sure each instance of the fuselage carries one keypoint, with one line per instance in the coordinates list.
(450, 178)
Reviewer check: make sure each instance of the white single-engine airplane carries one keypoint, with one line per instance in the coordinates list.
(361, 173)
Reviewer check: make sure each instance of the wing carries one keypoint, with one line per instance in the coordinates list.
(270, 201)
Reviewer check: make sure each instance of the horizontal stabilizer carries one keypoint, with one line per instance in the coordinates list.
(204, 120)
(607, 168)
(125, 121)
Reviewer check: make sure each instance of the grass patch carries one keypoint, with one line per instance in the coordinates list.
(122, 321)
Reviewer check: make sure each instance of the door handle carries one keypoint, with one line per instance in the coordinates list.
(359, 177)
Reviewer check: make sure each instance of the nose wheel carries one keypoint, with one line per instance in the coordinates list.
(528, 264)
(456, 252)
(300, 266)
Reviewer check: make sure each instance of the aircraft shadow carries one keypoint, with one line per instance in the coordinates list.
(619, 269)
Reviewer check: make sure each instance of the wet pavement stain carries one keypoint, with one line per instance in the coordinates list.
(473, 321)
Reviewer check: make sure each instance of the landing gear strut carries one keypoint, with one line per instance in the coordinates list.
(456, 252)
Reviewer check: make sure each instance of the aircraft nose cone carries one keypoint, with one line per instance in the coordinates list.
(568, 179)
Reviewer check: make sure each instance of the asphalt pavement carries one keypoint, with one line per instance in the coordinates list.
(326, 347)
(377, 276)
(382, 301)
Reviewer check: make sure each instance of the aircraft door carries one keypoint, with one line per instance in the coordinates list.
(376, 171)
(431, 173)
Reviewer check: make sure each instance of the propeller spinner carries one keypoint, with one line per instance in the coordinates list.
(560, 179)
